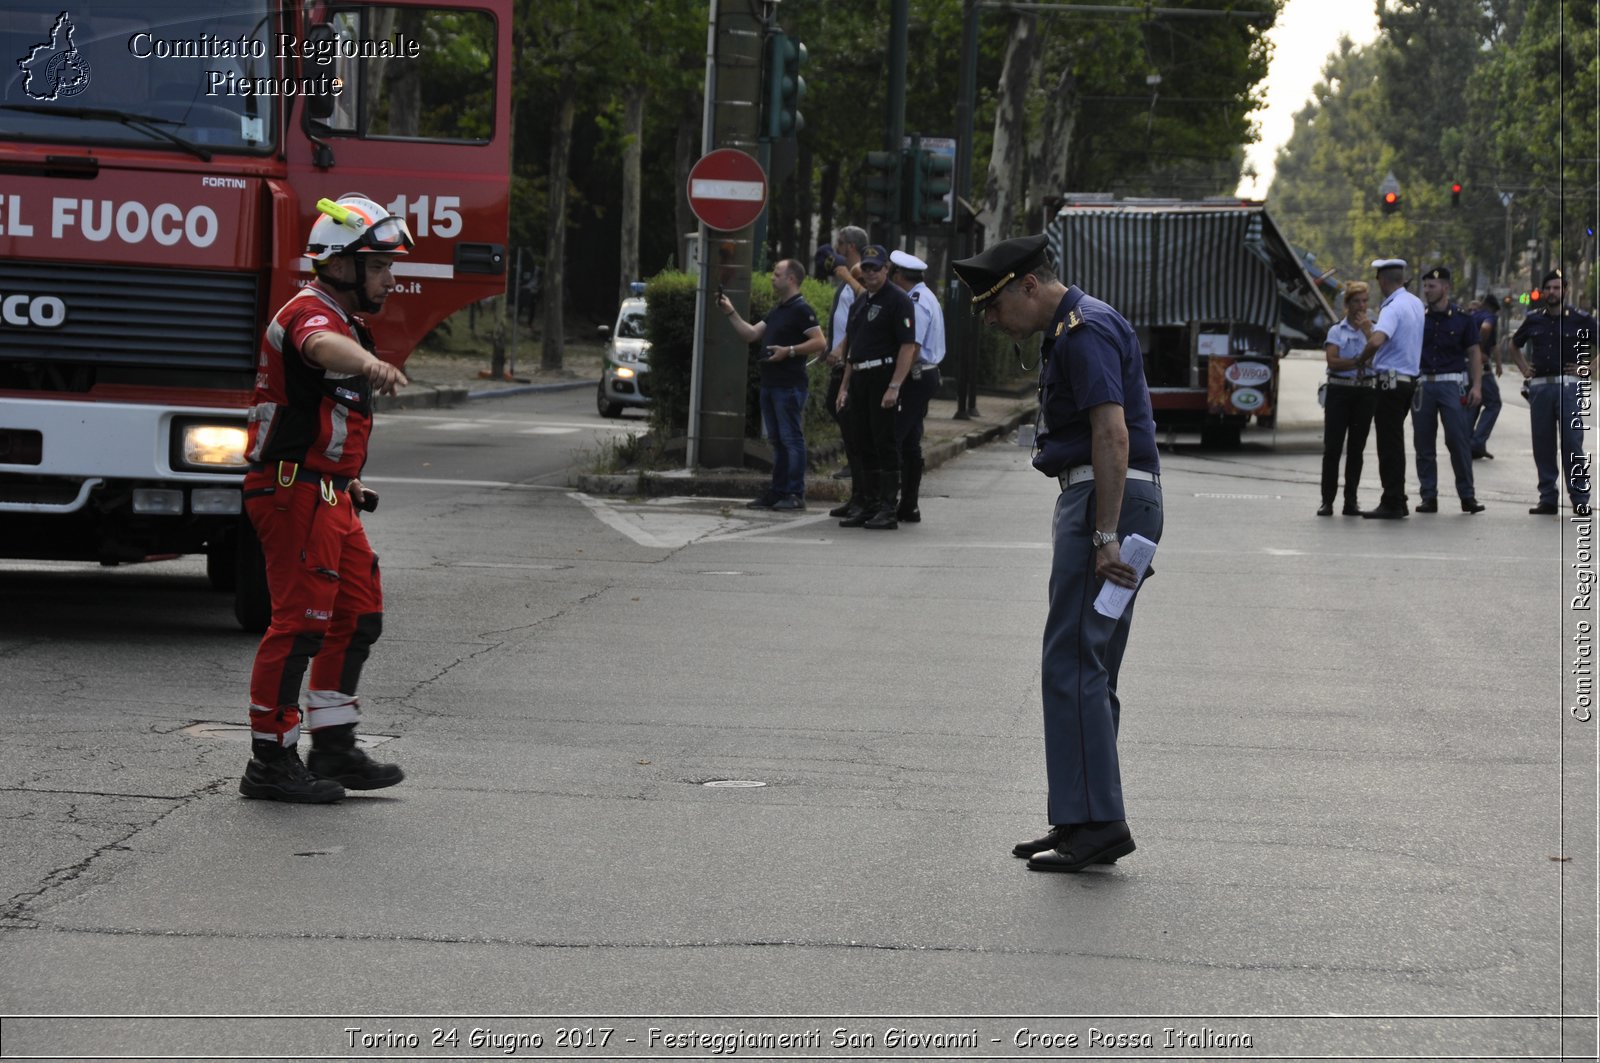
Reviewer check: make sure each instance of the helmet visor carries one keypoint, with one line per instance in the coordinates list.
(389, 236)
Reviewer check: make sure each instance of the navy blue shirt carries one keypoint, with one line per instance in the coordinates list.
(787, 325)
(1481, 318)
(1447, 336)
(1090, 356)
(880, 324)
(1556, 340)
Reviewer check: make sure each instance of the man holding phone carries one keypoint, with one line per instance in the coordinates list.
(790, 335)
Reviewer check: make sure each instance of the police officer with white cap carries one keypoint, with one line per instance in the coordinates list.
(1394, 351)
(1097, 438)
(922, 384)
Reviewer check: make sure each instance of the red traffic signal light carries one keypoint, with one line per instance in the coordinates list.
(1391, 202)
(1534, 296)
(1455, 194)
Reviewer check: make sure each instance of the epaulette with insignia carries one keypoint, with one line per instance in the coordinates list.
(915, 296)
(1074, 319)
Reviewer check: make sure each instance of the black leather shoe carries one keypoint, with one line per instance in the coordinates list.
(336, 756)
(1351, 509)
(275, 774)
(909, 516)
(883, 520)
(1472, 505)
(1325, 510)
(1544, 509)
(1428, 505)
(1085, 844)
(1384, 513)
(766, 501)
(1044, 843)
(858, 517)
(849, 509)
(1481, 452)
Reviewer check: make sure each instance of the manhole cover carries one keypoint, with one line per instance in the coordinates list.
(733, 783)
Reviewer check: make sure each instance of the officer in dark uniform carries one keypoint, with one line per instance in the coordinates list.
(879, 344)
(1487, 320)
(1449, 382)
(1096, 437)
(922, 384)
(1559, 356)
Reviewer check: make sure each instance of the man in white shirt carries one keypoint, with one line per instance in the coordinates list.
(1394, 354)
(923, 382)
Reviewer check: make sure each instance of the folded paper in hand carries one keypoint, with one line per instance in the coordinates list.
(1113, 598)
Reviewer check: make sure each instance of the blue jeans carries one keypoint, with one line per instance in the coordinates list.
(783, 413)
(1555, 415)
(1486, 414)
(1434, 403)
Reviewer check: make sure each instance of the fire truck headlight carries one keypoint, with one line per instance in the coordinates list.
(211, 446)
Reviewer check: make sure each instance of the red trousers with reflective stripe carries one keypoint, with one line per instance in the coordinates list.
(327, 606)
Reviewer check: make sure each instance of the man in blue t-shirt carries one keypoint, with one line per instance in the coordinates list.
(1097, 438)
(790, 335)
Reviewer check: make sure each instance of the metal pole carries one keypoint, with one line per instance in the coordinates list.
(698, 355)
(899, 20)
(965, 330)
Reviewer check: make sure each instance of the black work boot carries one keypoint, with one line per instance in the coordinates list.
(868, 507)
(335, 755)
(276, 774)
(858, 499)
(888, 502)
(909, 490)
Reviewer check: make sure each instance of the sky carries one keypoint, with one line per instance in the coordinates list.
(1304, 36)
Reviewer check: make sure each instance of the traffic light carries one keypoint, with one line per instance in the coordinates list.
(1389, 193)
(785, 87)
(882, 182)
(1534, 296)
(1455, 194)
(929, 180)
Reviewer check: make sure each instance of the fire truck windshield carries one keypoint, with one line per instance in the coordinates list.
(200, 75)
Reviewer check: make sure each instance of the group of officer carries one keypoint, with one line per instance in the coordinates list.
(1428, 357)
(886, 340)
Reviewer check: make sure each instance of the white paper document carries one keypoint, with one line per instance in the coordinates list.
(1113, 598)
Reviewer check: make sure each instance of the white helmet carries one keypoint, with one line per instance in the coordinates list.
(355, 223)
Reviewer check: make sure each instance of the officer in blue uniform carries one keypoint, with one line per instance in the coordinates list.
(1096, 438)
(1557, 363)
(1450, 381)
(1487, 319)
(923, 383)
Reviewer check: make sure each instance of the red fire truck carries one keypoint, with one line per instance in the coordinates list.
(159, 166)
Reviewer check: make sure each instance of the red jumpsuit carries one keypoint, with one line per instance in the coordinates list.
(308, 438)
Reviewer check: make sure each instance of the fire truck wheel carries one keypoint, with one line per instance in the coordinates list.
(1220, 436)
(222, 562)
(252, 602)
(606, 407)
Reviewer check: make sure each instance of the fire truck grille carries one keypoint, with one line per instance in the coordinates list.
(82, 314)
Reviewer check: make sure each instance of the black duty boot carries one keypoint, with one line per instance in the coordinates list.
(868, 508)
(888, 503)
(857, 501)
(276, 774)
(907, 510)
(335, 755)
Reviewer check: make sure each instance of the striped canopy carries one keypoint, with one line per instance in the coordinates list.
(1173, 263)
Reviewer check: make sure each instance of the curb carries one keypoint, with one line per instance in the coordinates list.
(420, 397)
(732, 483)
(529, 389)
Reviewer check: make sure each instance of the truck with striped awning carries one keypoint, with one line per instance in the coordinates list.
(1214, 292)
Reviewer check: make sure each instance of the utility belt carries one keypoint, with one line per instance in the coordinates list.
(1389, 379)
(331, 485)
(1443, 378)
(875, 363)
(1352, 382)
(1085, 474)
(1553, 378)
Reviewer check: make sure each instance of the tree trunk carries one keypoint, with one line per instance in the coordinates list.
(1003, 187)
(555, 270)
(828, 193)
(632, 154)
(804, 207)
(1050, 150)
(687, 153)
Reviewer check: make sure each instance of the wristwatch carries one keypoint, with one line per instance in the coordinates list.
(1100, 538)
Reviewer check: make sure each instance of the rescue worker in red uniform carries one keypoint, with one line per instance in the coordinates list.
(311, 415)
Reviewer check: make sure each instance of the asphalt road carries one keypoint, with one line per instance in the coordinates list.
(1365, 814)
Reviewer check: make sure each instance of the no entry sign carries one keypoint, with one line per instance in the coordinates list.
(727, 190)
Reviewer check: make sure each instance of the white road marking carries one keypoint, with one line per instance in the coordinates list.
(428, 481)
(547, 430)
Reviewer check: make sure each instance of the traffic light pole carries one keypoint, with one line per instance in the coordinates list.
(899, 19)
(719, 375)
